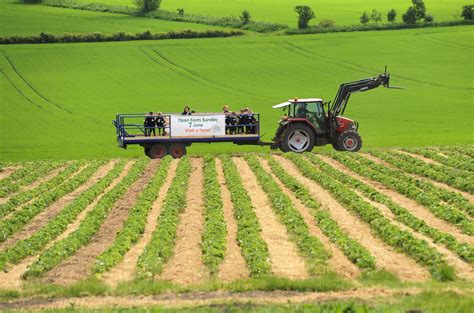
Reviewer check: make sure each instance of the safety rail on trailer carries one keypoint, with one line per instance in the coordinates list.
(183, 130)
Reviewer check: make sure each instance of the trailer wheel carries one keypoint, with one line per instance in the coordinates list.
(298, 138)
(157, 151)
(349, 141)
(177, 150)
(147, 151)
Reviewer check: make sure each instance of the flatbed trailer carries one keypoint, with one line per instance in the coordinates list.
(181, 131)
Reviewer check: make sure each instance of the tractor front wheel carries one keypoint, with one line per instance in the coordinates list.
(298, 138)
(157, 151)
(177, 150)
(348, 141)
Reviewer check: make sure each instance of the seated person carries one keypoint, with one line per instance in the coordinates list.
(160, 124)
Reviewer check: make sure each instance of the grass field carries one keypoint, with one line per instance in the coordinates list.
(342, 11)
(59, 100)
(384, 230)
(24, 20)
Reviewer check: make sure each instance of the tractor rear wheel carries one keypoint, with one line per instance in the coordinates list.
(298, 138)
(157, 151)
(349, 141)
(177, 150)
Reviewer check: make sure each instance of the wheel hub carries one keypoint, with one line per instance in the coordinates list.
(298, 140)
(349, 143)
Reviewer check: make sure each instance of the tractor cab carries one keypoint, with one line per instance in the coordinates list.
(305, 110)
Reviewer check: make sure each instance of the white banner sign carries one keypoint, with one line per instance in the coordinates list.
(197, 125)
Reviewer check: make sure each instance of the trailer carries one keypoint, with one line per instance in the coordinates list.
(181, 131)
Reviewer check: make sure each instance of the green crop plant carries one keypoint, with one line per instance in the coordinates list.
(417, 249)
(88, 227)
(353, 250)
(434, 155)
(308, 245)
(134, 226)
(215, 230)
(59, 223)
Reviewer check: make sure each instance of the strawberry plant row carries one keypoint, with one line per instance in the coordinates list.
(134, 226)
(353, 250)
(13, 224)
(58, 224)
(418, 249)
(254, 248)
(88, 227)
(161, 245)
(215, 230)
(467, 151)
(308, 245)
(455, 178)
(27, 195)
(457, 156)
(465, 251)
(434, 155)
(407, 186)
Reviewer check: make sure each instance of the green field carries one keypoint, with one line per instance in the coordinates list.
(24, 20)
(59, 100)
(342, 11)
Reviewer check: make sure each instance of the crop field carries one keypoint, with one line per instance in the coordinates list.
(397, 218)
(75, 90)
(343, 12)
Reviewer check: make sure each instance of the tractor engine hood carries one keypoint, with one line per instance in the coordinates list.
(344, 123)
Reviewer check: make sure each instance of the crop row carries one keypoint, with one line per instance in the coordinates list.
(353, 250)
(27, 195)
(464, 250)
(59, 223)
(308, 245)
(13, 224)
(215, 230)
(161, 245)
(254, 248)
(453, 162)
(408, 186)
(41, 168)
(457, 156)
(391, 234)
(455, 178)
(463, 150)
(88, 227)
(134, 226)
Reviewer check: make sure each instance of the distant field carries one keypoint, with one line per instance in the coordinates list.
(59, 100)
(342, 11)
(19, 19)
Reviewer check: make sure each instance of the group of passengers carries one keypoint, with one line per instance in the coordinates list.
(242, 123)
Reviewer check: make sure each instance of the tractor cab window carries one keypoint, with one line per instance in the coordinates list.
(313, 111)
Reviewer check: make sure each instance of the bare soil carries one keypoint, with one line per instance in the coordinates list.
(125, 270)
(285, 260)
(186, 267)
(53, 209)
(79, 265)
(416, 209)
(386, 256)
(338, 262)
(233, 267)
(7, 171)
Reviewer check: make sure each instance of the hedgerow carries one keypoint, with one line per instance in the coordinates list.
(254, 248)
(391, 234)
(161, 245)
(134, 226)
(465, 251)
(308, 245)
(13, 224)
(455, 178)
(58, 224)
(453, 162)
(88, 227)
(215, 230)
(412, 188)
(353, 250)
(25, 196)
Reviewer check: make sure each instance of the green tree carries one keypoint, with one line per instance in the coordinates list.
(391, 15)
(468, 12)
(375, 16)
(429, 18)
(420, 9)
(364, 18)
(245, 17)
(145, 6)
(410, 16)
(305, 14)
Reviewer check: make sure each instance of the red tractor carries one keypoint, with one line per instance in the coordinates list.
(306, 124)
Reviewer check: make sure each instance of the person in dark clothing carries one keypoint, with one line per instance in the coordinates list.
(242, 117)
(149, 124)
(228, 118)
(186, 111)
(160, 124)
(252, 122)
